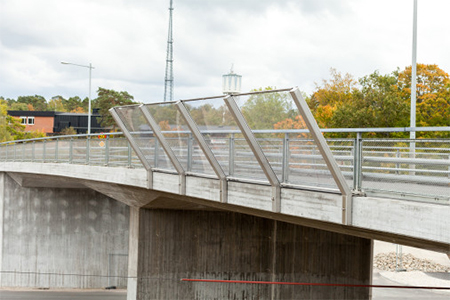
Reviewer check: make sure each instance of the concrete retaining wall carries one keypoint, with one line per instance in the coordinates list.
(48, 232)
(173, 244)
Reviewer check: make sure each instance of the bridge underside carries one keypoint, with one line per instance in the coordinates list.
(150, 199)
(167, 246)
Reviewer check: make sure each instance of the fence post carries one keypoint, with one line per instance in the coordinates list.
(129, 154)
(71, 150)
(357, 162)
(107, 151)
(33, 153)
(231, 154)
(397, 165)
(156, 158)
(285, 159)
(88, 143)
(43, 151)
(189, 153)
(56, 150)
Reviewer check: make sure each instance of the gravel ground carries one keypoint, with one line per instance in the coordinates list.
(408, 262)
(420, 267)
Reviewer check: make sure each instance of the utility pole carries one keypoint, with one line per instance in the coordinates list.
(168, 82)
(412, 134)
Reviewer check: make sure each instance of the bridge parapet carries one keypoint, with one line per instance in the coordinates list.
(281, 172)
(183, 139)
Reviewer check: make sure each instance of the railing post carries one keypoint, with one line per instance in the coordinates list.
(285, 158)
(357, 162)
(88, 143)
(156, 155)
(397, 165)
(190, 153)
(43, 151)
(107, 151)
(33, 153)
(129, 160)
(231, 154)
(71, 150)
(56, 150)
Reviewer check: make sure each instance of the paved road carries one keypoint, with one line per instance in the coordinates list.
(59, 295)
(378, 294)
(397, 294)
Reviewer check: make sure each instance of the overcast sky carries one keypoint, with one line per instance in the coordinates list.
(280, 43)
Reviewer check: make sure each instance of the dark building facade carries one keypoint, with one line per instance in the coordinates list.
(53, 122)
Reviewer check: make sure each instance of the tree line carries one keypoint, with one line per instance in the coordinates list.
(375, 100)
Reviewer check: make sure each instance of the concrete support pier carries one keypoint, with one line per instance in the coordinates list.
(169, 245)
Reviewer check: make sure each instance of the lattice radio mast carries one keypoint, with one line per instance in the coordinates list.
(168, 82)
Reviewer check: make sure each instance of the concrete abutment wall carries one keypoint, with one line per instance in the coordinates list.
(75, 237)
(169, 245)
(61, 237)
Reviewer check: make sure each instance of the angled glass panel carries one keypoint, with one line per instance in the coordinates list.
(285, 138)
(224, 138)
(179, 137)
(143, 136)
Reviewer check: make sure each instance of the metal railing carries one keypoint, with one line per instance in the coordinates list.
(373, 166)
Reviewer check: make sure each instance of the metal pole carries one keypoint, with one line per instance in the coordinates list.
(89, 113)
(412, 134)
(90, 79)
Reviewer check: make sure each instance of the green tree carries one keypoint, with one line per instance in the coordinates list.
(39, 103)
(56, 104)
(376, 104)
(73, 104)
(331, 95)
(262, 111)
(12, 129)
(107, 99)
(433, 96)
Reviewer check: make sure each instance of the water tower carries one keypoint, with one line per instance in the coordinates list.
(231, 83)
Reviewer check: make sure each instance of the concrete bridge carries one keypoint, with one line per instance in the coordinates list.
(197, 202)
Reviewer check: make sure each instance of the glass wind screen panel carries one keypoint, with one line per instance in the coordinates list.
(285, 139)
(179, 137)
(143, 137)
(224, 138)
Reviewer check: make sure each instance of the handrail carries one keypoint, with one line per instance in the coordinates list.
(262, 131)
(379, 161)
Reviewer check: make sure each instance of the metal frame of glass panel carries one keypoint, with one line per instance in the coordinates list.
(252, 143)
(206, 150)
(165, 145)
(325, 151)
(257, 151)
(133, 145)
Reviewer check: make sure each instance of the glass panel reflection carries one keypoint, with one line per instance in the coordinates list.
(180, 138)
(143, 136)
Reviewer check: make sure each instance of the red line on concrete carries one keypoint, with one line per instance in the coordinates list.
(319, 284)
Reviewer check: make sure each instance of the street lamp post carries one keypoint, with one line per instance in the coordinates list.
(412, 134)
(90, 67)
